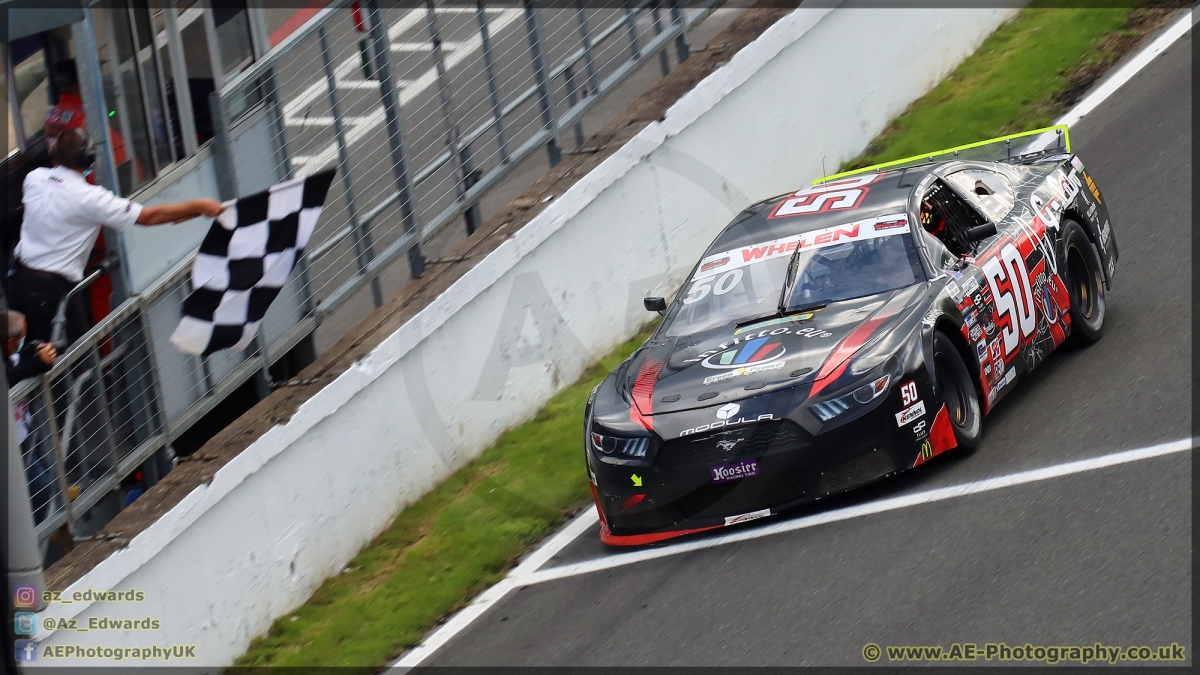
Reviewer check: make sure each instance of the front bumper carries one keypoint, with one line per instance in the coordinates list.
(679, 495)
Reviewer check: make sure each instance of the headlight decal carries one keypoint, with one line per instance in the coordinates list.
(827, 410)
(837, 361)
(618, 446)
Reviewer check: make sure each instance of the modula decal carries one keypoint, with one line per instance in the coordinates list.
(859, 230)
(725, 422)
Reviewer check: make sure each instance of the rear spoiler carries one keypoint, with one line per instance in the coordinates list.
(1003, 149)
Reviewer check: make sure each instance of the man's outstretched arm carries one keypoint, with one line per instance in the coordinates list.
(179, 212)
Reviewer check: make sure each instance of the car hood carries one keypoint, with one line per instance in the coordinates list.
(672, 374)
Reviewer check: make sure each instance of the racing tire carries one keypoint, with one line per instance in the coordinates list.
(1084, 278)
(958, 392)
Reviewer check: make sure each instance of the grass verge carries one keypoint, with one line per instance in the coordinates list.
(1024, 76)
(463, 535)
(449, 545)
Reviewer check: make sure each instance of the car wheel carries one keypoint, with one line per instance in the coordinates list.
(1085, 284)
(958, 392)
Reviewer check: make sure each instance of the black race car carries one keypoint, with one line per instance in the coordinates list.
(842, 333)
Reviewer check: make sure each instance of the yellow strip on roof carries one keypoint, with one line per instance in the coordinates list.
(928, 156)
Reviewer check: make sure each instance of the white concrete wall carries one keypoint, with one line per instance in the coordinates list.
(294, 507)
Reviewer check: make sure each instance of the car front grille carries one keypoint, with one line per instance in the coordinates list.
(751, 440)
(718, 500)
(862, 469)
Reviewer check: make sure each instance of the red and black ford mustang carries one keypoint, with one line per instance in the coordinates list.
(842, 333)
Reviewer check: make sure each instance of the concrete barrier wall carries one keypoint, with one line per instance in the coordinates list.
(295, 506)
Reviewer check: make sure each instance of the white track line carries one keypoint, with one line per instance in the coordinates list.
(858, 511)
(364, 126)
(484, 601)
(526, 573)
(578, 525)
(1119, 78)
(1126, 73)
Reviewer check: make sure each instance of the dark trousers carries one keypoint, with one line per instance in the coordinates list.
(37, 294)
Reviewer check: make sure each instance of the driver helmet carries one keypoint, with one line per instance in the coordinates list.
(931, 221)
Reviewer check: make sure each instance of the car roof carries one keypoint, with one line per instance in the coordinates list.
(887, 194)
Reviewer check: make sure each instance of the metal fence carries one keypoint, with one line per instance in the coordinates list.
(426, 112)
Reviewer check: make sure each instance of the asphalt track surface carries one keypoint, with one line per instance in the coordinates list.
(1099, 556)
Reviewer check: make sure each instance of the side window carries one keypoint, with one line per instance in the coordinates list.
(939, 255)
(947, 217)
(987, 191)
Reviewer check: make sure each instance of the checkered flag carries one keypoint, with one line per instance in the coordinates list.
(244, 261)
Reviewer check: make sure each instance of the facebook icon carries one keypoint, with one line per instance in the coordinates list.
(26, 650)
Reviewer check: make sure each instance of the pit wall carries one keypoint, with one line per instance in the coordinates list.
(296, 505)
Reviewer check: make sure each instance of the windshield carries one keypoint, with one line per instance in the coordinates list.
(834, 263)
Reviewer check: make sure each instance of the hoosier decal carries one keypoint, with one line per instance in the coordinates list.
(735, 471)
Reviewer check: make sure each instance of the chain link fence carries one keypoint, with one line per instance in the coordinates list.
(427, 112)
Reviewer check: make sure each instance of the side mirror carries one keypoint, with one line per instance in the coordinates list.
(655, 304)
(981, 232)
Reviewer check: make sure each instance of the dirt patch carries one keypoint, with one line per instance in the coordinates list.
(199, 468)
(1141, 22)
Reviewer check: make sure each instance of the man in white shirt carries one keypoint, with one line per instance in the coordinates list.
(63, 215)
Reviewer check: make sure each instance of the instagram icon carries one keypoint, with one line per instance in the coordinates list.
(25, 596)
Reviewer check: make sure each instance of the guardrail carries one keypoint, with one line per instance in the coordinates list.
(121, 393)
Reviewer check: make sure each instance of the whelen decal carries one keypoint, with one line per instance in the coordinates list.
(890, 224)
(837, 195)
(643, 393)
(860, 230)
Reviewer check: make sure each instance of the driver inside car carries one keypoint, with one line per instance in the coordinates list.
(934, 223)
(933, 220)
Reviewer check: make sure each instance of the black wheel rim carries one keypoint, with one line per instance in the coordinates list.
(953, 394)
(1083, 287)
